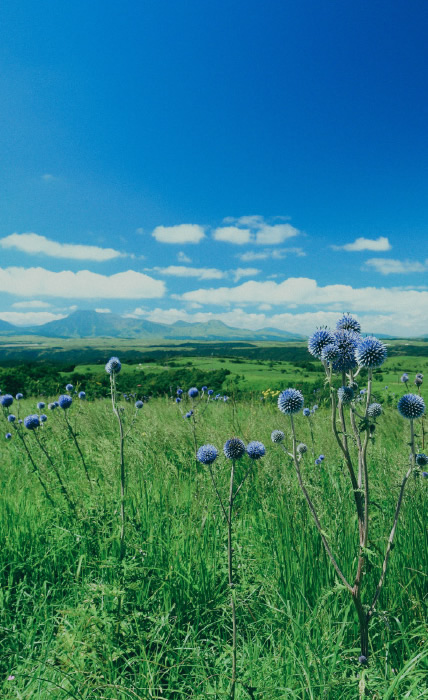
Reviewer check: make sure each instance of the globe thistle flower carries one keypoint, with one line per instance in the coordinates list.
(315, 407)
(354, 386)
(11, 418)
(41, 405)
(139, 404)
(193, 392)
(204, 388)
(318, 461)
(32, 422)
(290, 401)
(225, 398)
(370, 352)
(319, 340)
(362, 660)
(179, 392)
(6, 400)
(20, 421)
(82, 395)
(321, 458)
(65, 401)
(345, 394)
(411, 406)
(8, 436)
(421, 459)
(374, 410)
(207, 454)
(348, 323)
(425, 475)
(43, 418)
(51, 406)
(69, 387)
(419, 379)
(189, 414)
(277, 436)
(306, 412)
(178, 399)
(302, 448)
(330, 352)
(404, 378)
(255, 449)
(346, 342)
(210, 392)
(234, 448)
(113, 366)
(19, 396)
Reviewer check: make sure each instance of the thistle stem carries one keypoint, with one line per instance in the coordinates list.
(231, 585)
(57, 474)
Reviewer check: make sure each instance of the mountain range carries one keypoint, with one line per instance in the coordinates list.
(91, 324)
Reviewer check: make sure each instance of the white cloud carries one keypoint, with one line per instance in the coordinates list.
(379, 244)
(183, 233)
(183, 258)
(387, 266)
(273, 254)
(244, 272)
(33, 244)
(30, 318)
(103, 311)
(232, 234)
(48, 177)
(202, 273)
(34, 304)
(274, 235)
(36, 281)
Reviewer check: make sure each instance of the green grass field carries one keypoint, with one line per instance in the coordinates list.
(61, 636)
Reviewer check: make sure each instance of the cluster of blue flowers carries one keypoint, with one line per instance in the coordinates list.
(233, 449)
(320, 460)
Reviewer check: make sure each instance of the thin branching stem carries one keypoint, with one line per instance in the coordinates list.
(74, 437)
(57, 474)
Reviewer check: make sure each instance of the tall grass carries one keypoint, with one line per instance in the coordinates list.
(298, 636)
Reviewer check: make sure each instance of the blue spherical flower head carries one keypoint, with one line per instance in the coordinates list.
(290, 401)
(178, 399)
(179, 392)
(234, 448)
(319, 340)
(113, 366)
(41, 405)
(374, 410)
(82, 395)
(207, 454)
(11, 418)
(189, 414)
(19, 396)
(411, 406)
(51, 406)
(302, 448)
(315, 407)
(204, 388)
(345, 394)
(330, 353)
(306, 412)
(6, 400)
(348, 323)
(421, 459)
(321, 458)
(277, 436)
(362, 660)
(425, 475)
(255, 449)
(69, 387)
(419, 379)
(210, 392)
(370, 352)
(8, 436)
(346, 343)
(193, 392)
(43, 418)
(139, 404)
(32, 422)
(404, 378)
(318, 461)
(65, 401)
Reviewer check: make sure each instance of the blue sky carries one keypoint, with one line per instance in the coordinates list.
(261, 163)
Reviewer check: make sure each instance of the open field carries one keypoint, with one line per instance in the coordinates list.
(62, 577)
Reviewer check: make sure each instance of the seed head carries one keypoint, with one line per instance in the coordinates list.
(256, 449)
(411, 406)
(113, 366)
(277, 436)
(234, 448)
(302, 448)
(345, 394)
(404, 378)
(421, 459)
(374, 410)
(207, 454)
(290, 401)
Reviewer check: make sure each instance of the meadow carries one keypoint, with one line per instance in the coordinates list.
(81, 621)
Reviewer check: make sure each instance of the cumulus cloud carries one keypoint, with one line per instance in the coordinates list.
(254, 229)
(33, 304)
(30, 318)
(33, 244)
(244, 272)
(303, 291)
(36, 281)
(202, 273)
(272, 254)
(378, 244)
(387, 266)
(183, 233)
(232, 234)
(183, 258)
(103, 311)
